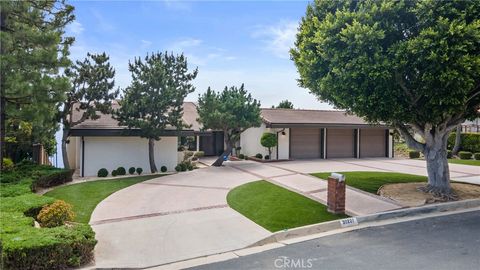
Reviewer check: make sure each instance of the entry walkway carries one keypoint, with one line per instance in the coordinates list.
(357, 202)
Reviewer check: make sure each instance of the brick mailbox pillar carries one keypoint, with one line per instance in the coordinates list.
(336, 194)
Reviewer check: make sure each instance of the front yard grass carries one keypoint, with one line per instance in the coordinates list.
(84, 197)
(372, 181)
(464, 161)
(276, 208)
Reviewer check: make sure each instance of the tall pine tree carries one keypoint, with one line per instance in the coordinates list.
(154, 100)
(92, 83)
(33, 49)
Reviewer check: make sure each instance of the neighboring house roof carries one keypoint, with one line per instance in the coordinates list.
(106, 125)
(310, 118)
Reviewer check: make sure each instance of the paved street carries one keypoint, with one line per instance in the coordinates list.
(447, 242)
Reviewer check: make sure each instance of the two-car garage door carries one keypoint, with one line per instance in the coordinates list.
(340, 143)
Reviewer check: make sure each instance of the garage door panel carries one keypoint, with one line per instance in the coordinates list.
(372, 143)
(340, 143)
(305, 143)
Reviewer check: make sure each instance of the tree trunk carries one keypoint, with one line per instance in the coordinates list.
(226, 153)
(458, 140)
(151, 155)
(3, 101)
(66, 164)
(435, 153)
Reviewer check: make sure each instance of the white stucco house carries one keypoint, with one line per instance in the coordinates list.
(302, 134)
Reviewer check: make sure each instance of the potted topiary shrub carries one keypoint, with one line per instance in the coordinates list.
(131, 170)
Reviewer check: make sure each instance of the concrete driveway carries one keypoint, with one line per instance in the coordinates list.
(458, 172)
(172, 218)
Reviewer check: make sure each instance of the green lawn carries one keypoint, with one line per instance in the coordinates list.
(276, 208)
(84, 197)
(372, 181)
(464, 161)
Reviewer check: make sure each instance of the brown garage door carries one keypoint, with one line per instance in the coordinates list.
(340, 143)
(372, 143)
(305, 143)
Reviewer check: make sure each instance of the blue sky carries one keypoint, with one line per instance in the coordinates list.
(230, 42)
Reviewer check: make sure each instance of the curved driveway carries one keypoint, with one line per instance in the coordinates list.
(172, 218)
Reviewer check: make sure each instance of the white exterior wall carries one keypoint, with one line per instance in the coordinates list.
(250, 142)
(113, 152)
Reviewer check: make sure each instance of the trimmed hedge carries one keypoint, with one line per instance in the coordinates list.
(139, 170)
(241, 156)
(470, 142)
(414, 154)
(260, 156)
(114, 173)
(131, 170)
(465, 155)
(23, 245)
(53, 179)
(163, 169)
(476, 156)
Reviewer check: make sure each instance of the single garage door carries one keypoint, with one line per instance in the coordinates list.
(305, 143)
(340, 143)
(372, 143)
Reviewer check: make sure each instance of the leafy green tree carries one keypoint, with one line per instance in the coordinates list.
(154, 100)
(32, 50)
(91, 92)
(285, 104)
(268, 140)
(414, 65)
(232, 111)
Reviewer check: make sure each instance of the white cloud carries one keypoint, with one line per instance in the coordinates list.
(182, 44)
(145, 43)
(177, 5)
(75, 28)
(278, 38)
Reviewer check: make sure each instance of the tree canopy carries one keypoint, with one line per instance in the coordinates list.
(154, 99)
(91, 92)
(285, 104)
(232, 111)
(412, 64)
(33, 50)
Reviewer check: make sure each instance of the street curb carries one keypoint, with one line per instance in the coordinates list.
(334, 225)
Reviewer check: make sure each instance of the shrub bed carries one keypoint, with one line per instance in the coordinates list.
(27, 247)
(469, 142)
(414, 154)
(53, 179)
(476, 156)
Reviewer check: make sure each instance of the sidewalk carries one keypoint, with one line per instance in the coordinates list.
(357, 202)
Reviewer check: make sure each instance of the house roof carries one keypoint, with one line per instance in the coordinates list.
(313, 118)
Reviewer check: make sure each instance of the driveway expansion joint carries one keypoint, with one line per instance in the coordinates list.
(179, 185)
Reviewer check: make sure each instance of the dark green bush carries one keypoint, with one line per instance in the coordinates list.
(267, 157)
(465, 155)
(53, 179)
(449, 154)
(241, 156)
(190, 166)
(121, 171)
(178, 168)
(163, 169)
(114, 173)
(260, 156)
(102, 172)
(183, 167)
(7, 165)
(470, 142)
(139, 170)
(131, 170)
(476, 156)
(414, 154)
